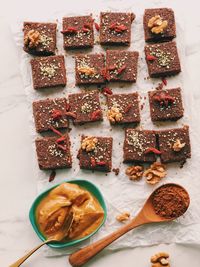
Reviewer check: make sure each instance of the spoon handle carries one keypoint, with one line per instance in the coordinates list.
(85, 254)
(21, 260)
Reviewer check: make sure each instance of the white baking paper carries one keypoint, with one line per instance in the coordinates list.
(120, 193)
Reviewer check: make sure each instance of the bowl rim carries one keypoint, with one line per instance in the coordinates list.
(41, 195)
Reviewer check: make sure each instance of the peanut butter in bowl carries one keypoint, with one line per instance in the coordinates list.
(54, 208)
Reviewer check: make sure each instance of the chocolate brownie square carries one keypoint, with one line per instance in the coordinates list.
(89, 69)
(40, 38)
(121, 65)
(166, 104)
(50, 112)
(86, 107)
(96, 153)
(139, 146)
(123, 108)
(53, 153)
(115, 28)
(174, 145)
(159, 24)
(48, 72)
(78, 32)
(162, 59)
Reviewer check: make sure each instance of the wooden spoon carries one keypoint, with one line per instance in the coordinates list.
(146, 215)
(66, 226)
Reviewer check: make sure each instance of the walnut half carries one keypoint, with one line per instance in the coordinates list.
(32, 39)
(134, 172)
(157, 24)
(160, 259)
(177, 146)
(89, 143)
(114, 114)
(155, 173)
(123, 217)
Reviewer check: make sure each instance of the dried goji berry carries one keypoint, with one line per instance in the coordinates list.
(107, 91)
(55, 131)
(127, 108)
(152, 150)
(93, 162)
(97, 27)
(56, 114)
(64, 148)
(70, 114)
(101, 163)
(164, 81)
(120, 28)
(120, 70)
(52, 175)
(70, 30)
(111, 67)
(61, 139)
(150, 58)
(67, 106)
(95, 115)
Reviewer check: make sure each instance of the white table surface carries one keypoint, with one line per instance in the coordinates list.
(17, 184)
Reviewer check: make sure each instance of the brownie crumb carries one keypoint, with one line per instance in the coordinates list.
(116, 171)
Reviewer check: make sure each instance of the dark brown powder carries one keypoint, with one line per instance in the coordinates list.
(170, 201)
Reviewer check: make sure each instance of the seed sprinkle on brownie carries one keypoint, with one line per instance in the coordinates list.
(78, 32)
(140, 146)
(53, 152)
(86, 106)
(121, 65)
(89, 69)
(48, 72)
(96, 153)
(115, 28)
(162, 59)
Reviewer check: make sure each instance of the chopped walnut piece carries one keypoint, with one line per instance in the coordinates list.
(155, 173)
(89, 143)
(114, 115)
(86, 70)
(135, 172)
(160, 259)
(32, 39)
(177, 146)
(157, 24)
(123, 217)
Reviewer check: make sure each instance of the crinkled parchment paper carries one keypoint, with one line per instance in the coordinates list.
(120, 193)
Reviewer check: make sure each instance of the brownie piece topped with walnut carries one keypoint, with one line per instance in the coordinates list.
(166, 104)
(174, 145)
(40, 38)
(86, 107)
(123, 108)
(48, 72)
(78, 32)
(53, 152)
(96, 153)
(115, 28)
(162, 59)
(121, 65)
(159, 24)
(140, 146)
(50, 112)
(89, 69)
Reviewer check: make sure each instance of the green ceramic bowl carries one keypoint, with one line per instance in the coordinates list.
(83, 183)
